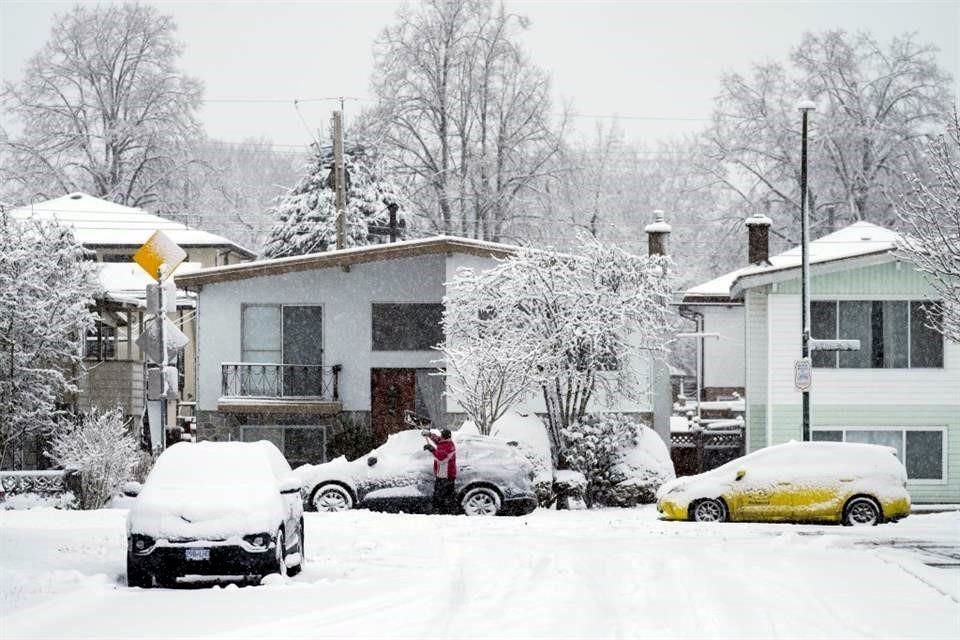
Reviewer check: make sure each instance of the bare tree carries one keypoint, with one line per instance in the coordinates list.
(930, 209)
(873, 103)
(466, 112)
(103, 108)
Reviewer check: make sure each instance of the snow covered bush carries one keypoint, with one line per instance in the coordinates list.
(101, 447)
(306, 217)
(46, 290)
(24, 501)
(528, 431)
(620, 459)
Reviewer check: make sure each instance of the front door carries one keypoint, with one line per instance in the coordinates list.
(392, 391)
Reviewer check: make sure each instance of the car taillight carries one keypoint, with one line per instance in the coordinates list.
(259, 540)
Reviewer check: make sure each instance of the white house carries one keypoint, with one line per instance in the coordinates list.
(900, 388)
(299, 349)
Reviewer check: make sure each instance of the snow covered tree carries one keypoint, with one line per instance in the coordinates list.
(485, 379)
(103, 108)
(306, 217)
(930, 209)
(46, 290)
(103, 449)
(570, 324)
(466, 113)
(874, 101)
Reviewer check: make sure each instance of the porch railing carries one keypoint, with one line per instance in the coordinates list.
(267, 380)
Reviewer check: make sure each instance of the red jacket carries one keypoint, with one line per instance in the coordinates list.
(444, 458)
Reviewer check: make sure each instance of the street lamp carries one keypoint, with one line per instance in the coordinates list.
(805, 107)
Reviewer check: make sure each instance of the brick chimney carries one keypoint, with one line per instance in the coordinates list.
(657, 232)
(758, 239)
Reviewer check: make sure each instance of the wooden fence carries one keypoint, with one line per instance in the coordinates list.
(700, 450)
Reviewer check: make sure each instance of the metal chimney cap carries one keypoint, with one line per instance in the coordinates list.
(806, 105)
(659, 225)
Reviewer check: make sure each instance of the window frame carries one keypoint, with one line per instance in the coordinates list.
(909, 300)
(281, 306)
(944, 448)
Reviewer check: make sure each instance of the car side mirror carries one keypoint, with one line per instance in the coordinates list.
(741, 473)
(131, 489)
(290, 484)
(372, 460)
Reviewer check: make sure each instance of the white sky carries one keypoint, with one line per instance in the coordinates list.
(654, 64)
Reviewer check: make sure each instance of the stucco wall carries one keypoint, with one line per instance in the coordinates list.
(346, 297)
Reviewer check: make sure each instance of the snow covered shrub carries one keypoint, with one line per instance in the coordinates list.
(594, 445)
(640, 470)
(104, 451)
(24, 501)
(624, 461)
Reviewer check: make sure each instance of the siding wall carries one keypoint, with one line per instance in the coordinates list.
(723, 362)
(851, 397)
(756, 368)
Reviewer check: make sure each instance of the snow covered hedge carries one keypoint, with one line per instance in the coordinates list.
(624, 461)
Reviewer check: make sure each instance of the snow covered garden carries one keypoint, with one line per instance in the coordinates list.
(553, 574)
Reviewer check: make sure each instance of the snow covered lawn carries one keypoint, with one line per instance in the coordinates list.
(579, 574)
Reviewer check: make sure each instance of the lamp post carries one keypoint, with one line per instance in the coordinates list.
(805, 107)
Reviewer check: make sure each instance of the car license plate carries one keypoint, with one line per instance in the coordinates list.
(198, 554)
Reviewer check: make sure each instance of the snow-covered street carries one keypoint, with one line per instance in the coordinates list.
(611, 573)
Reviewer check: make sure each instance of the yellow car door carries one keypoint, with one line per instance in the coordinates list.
(758, 494)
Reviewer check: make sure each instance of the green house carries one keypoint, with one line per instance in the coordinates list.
(901, 388)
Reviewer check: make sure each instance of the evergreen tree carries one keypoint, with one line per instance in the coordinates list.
(305, 218)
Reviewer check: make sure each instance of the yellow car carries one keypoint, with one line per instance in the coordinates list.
(852, 483)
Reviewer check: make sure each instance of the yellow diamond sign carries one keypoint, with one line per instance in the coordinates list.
(159, 250)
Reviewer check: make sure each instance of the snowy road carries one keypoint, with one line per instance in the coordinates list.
(606, 574)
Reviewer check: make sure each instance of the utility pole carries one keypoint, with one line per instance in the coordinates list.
(338, 178)
(805, 107)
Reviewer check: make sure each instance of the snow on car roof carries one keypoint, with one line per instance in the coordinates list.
(208, 490)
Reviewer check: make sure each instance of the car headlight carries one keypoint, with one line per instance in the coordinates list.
(258, 540)
(141, 543)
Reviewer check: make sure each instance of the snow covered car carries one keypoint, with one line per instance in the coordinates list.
(215, 512)
(492, 478)
(856, 484)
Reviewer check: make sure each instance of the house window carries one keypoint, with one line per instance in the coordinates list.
(922, 450)
(101, 342)
(300, 444)
(407, 326)
(893, 334)
(289, 335)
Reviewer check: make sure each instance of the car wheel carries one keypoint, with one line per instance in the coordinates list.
(137, 577)
(281, 553)
(480, 501)
(294, 570)
(861, 511)
(708, 510)
(332, 497)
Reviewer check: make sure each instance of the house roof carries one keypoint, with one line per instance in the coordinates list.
(101, 223)
(860, 241)
(345, 258)
(125, 283)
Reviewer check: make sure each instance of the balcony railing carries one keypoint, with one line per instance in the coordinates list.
(265, 380)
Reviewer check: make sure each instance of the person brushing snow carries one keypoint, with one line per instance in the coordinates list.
(444, 469)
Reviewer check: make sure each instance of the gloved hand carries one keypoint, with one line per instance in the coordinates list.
(428, 447)
(425, 432)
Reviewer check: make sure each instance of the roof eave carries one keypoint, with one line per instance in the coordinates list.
(343, 258)
(770, 276)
